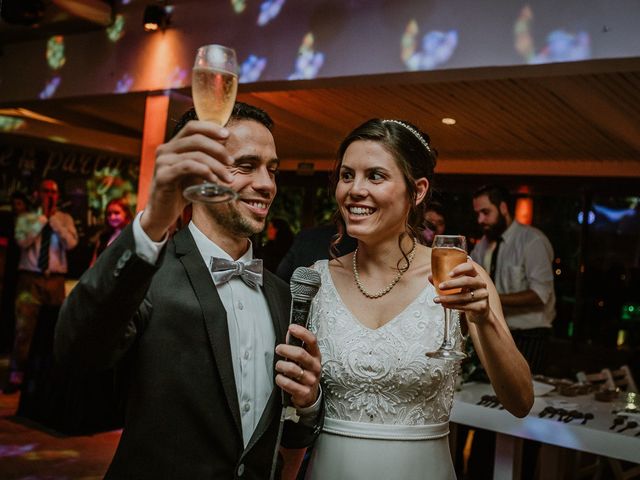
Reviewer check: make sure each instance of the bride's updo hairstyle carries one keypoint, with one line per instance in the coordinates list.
(413, 154)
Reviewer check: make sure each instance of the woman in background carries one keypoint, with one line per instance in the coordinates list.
(117, 215)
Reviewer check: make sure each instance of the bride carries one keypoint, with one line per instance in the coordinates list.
(377, 315)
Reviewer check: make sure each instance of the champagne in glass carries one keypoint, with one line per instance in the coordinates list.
(448, 252)
(214, 94)
(214, 88)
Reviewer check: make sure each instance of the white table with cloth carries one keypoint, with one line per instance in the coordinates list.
(593, 437)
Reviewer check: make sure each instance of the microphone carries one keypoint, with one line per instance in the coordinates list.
(305, 283)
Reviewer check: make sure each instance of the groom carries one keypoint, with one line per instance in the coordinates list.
(196, 346)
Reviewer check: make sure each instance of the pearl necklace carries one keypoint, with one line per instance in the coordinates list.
(395, 280)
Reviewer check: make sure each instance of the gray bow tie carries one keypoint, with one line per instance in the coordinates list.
(224, 270)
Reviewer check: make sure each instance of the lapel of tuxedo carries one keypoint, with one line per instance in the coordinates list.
(214, 316)
(276, 308)
(280, 322)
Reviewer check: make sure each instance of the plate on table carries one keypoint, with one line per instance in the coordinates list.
(540, 388)
(630, 415)
(557, 403)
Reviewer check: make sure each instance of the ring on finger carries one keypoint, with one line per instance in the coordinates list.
(473, 294)
(300, 375)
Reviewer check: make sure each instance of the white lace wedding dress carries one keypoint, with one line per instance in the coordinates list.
(387, 404)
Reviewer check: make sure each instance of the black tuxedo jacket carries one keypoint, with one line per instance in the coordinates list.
(165, 328)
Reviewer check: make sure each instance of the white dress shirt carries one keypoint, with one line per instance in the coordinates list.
(251, 336)
(28, 234)
(524, 263)
(251, 333)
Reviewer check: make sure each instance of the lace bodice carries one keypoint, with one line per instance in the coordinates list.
(382, 375)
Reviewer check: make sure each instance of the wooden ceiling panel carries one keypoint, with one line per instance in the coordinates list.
(579, 118)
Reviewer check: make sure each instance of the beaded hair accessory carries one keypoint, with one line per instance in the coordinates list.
(414, 131)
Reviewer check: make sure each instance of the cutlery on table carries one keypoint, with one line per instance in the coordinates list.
(617, 421)
(587, 416)
(629, 425)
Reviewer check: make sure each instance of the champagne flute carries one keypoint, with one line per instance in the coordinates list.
(447, 252)
(214, 88)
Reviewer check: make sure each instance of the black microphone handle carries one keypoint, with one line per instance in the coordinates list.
(299, 316)
(300, 309)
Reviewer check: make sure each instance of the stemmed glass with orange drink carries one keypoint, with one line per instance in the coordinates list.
(448, 251)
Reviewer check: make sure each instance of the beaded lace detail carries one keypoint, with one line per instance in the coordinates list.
(382, 375)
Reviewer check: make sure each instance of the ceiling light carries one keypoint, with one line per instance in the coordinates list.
(449, 121)
(156, 17)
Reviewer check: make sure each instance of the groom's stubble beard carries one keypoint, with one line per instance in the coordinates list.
(229, 217)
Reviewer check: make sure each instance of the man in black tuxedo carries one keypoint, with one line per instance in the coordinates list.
(195, 338)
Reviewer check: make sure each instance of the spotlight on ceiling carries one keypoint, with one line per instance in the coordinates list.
(156, 17)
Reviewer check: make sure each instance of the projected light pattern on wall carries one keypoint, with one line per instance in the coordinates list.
(435, 48)
(561, 46)
(252, 68)
(124, 84)
(7, 451)
(309, 62)
(116, 30)
(238, 5)
(55, 52)
(177, 77)
(591, 217)
(616, 215)
(564, 47)
(50, 88)
(409, 40)
(623, 218)
(269, 9)
(349, 38)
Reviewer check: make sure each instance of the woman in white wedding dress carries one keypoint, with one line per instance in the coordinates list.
(377, 315)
